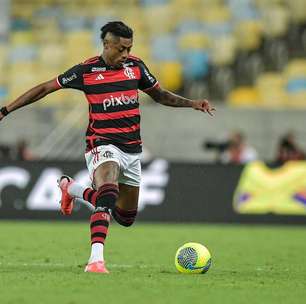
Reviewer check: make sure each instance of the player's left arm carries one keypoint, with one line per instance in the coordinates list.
(149, 84)
(168, 98)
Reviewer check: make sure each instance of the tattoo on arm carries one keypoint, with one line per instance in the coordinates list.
(168, 98)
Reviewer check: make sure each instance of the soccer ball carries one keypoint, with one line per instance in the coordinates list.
(192, 258)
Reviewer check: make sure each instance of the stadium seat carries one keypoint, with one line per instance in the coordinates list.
(3, 93)
(296, 83)
(164, 48)
(43, 74)
(296, 68)
(223, 50)
(48, 33)
(51, 54)
(22, 67)
(19, 24)
(23, 53)
(170, 75)
(142, 50)
(153, 2)
(196, 64)
(216, 29)
(296, 100)
(243, 10)
(82, 41)
(4, 51)
(297, 10)
(3, 78)
(244, 97)
(18, 38)
(193, 40)
(159, 19)
(73, 22)
(79, 38)
(21, 16)
(271, 88)
(189, 3)
(248, 34)
(215, 14)
(275, 20)
(186, 26)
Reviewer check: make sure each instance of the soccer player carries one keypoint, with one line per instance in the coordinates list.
(110, 83)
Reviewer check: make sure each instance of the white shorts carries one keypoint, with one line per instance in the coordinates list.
(129, 163)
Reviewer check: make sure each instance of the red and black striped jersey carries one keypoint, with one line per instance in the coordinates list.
(112, 95)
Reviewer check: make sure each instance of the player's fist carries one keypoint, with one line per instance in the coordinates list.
(204, 106)
(3, 112)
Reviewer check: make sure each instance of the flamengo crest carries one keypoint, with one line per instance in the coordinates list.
(128, 72)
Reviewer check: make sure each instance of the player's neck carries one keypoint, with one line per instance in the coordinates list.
(106, 61)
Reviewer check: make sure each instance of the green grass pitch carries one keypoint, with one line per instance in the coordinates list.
(43, 262)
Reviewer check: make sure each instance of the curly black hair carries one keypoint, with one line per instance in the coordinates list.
(117, 28)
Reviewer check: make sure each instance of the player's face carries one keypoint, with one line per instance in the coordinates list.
(116, 50)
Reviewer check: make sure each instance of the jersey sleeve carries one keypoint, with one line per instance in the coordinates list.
(147, 80)
(72, 78)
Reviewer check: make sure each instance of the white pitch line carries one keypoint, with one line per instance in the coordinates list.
(32, 264)
(69, 265)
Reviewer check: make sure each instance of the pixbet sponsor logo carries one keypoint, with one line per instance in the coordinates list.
(119, 101)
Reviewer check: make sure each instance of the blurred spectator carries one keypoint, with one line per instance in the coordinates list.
(5, 152)
(232, 151)
(22, 151)
(288, 149)
(238, 151)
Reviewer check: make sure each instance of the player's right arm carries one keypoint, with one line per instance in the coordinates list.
(72, 79)
(30, 96)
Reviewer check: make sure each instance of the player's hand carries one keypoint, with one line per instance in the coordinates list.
(203, 106)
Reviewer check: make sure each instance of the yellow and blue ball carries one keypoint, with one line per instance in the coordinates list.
(192, 258)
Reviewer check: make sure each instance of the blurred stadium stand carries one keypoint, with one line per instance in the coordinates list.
(249, 54)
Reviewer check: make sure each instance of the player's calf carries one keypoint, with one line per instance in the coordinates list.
(107, 196)
(124, 217)
(99, 222)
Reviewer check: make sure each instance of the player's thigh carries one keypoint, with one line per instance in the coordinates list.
(107, 172)
(128, 197)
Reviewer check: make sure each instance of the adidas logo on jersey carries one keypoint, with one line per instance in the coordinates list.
(100, 77)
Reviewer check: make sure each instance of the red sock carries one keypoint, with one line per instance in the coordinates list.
(106, 195)
(99, 222)
(90, 195)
